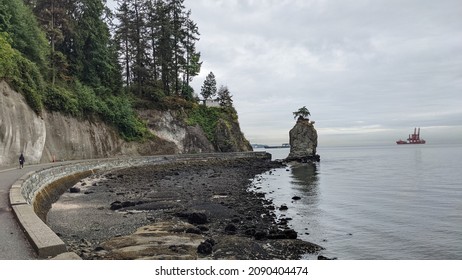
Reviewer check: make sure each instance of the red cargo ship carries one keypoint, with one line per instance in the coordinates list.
(413, 138)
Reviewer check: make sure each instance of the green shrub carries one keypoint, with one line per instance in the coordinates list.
(187, 92)
(7, 57)
(88, 101)
(24, 35)
(207, 118)
(176, 103)
(119, 112)
(32, 85)
(59, 99)
(23, 74)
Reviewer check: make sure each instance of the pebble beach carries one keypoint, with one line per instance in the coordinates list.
(184, 210)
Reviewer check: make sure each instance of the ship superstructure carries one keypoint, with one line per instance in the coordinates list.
(413, 138)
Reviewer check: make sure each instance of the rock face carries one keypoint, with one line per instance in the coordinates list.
(21, 130)
(168, 126)
(229, 137)
(303, 142)
(56, 137)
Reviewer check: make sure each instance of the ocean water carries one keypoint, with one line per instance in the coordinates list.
(392, 202)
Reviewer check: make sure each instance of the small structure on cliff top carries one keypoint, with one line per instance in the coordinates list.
(303, 139)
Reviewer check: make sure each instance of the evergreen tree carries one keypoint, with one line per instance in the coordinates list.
(178, 20)
(209, 88)
(139, 46)
(53, 16)
(94, 49)
(165, 46)
(225, 97)
(156, 42)
(153, 24)
(192, 65)
(132, 43)
(122, 39)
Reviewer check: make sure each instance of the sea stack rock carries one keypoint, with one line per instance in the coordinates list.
(303, 142)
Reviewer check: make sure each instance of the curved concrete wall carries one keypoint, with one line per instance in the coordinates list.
(27, 194)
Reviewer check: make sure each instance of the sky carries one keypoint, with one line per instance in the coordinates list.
(368, 71)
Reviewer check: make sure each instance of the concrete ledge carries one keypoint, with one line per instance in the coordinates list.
(45, 242)
(16, 197)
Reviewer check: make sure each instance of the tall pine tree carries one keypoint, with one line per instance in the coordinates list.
(95, 52)
(54, 17)
(122, 39)
(156, 42)
(209, 88)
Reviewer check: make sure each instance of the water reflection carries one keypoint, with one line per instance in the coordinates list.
(296, 187)
(305, 178)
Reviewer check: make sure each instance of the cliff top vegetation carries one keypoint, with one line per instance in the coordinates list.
(80, 58)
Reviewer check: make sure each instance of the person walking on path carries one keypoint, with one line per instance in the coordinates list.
(21, 161)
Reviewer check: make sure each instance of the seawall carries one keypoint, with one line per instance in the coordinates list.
(32, 195)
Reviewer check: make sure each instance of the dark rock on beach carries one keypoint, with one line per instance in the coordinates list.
(323, 258)
(74, 190)
(283, 208)
(230, 229)
(193, 230)
(205, 248)
(197, 218)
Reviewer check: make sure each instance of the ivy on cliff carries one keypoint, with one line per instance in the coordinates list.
(208, 119)
(21, 73)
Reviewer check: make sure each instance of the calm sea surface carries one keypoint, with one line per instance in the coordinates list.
(393, 202)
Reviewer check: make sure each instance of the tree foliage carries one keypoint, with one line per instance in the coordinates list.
(22, 48)
(224, 97)
(94, 49)
(54, 18)
(156, 44)
(209, 88)
(68, 56)
(302, 112)
(207, 118)
(18, 26)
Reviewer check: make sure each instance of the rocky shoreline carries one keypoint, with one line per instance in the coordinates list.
(184, 210)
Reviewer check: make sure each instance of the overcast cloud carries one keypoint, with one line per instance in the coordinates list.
(368, 71)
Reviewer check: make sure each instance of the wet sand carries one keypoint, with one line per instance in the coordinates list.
(185, 210)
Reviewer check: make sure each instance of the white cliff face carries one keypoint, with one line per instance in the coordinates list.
(56, 137)
(21, 130)
(167, 125)
(69, 138)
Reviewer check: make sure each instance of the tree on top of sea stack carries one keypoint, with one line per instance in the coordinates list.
(302, 113)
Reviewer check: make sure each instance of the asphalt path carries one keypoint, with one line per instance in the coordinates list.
(13, 242)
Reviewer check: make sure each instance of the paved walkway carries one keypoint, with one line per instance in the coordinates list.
(13, 242)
